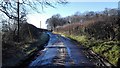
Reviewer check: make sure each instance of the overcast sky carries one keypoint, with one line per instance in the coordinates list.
(69, 9)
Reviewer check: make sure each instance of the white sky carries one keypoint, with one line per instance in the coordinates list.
(36, 18)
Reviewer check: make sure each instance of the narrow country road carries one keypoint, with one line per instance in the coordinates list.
(60, 51)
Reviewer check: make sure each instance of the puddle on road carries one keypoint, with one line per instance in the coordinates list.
(62, 58)
(54, 55)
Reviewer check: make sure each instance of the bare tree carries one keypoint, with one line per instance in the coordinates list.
(9, 7)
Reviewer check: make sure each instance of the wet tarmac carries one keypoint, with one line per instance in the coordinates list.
(60, 51)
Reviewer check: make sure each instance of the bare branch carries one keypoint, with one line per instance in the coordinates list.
(10, 8)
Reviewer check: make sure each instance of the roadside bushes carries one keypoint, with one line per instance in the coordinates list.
(29, 32)
(98, 29)
(101, 30)
(31, 39)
